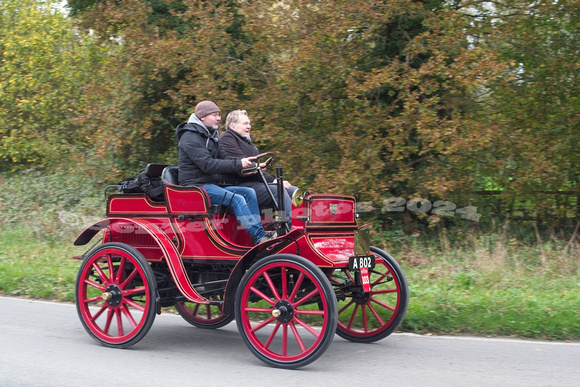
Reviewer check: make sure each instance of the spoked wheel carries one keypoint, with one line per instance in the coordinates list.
(115, 295)
(286, 311)
(203, 316)
(372, 316)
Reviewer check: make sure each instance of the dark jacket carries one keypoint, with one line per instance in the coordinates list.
(238, 147)
(201, 159)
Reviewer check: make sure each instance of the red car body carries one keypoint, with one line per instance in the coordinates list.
(288, 295)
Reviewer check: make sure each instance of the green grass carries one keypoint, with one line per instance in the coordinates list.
(458, 292)
(36, 269)
(509, 290)
(533, 307)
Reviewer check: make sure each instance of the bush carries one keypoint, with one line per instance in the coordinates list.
(53, 207)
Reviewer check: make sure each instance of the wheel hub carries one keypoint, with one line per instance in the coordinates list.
(112, 295)
(283, 311)
(361, 297)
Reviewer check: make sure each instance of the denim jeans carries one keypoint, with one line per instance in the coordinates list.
(291, 190)
(244, 204)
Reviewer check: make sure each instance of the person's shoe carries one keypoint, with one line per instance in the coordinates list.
(269, 235)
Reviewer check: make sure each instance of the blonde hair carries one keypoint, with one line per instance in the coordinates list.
(234, 117)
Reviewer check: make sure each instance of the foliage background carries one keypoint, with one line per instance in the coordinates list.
(467, 101)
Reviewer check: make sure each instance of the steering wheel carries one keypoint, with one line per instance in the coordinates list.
(257, 165)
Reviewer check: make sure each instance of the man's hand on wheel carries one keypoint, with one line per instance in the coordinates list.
(247, 162)
(255, 166)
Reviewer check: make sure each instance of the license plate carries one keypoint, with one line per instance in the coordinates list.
(358, 262)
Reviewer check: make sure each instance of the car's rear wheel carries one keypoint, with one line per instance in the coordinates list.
(205, 316)
(115, 295)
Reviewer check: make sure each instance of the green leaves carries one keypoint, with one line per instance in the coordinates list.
(401, 97)
(42, 73)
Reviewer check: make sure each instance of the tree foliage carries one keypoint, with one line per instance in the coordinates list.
(44, 68)
(536, 110)
(436, 99)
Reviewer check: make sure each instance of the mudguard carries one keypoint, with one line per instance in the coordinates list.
(170, 253)
(258, 252)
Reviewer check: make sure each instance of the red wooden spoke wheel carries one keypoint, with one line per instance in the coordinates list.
(286, 311)
(203, 316)
(115, 295)
(368, 317)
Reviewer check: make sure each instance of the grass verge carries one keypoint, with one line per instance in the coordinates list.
(453, 293)
(36, 269)
(504, 289)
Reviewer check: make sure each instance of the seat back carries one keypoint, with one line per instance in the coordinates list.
(170, 175)
(155, 170)
(176, 196)
(183, 200)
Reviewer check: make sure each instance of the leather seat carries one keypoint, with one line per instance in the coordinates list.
(170, 175)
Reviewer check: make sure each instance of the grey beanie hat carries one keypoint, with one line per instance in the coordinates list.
(204, 108)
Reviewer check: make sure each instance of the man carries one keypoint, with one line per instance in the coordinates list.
(236, 141)
(204, 163)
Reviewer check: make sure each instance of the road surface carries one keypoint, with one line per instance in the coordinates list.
(44, 344)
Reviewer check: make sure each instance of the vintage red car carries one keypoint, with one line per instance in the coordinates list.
(289, 295)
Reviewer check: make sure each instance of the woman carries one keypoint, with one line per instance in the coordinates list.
(237, 143)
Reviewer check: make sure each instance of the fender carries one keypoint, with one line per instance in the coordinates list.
(89, 232)
(170, 253)
(258, 252)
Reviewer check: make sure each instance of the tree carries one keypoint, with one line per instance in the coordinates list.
(533, 107)
(44, 65)
(375, 98)
(542, 104)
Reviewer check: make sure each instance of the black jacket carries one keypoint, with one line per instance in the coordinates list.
(239, 147)
(201, 159)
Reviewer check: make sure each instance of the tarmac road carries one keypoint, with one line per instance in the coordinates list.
(44, 344)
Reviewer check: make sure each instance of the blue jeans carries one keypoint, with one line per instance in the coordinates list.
(244, 204)
(291, 190)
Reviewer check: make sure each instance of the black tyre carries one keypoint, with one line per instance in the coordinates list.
(115, 295)
(372, 316)
(203, 316)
